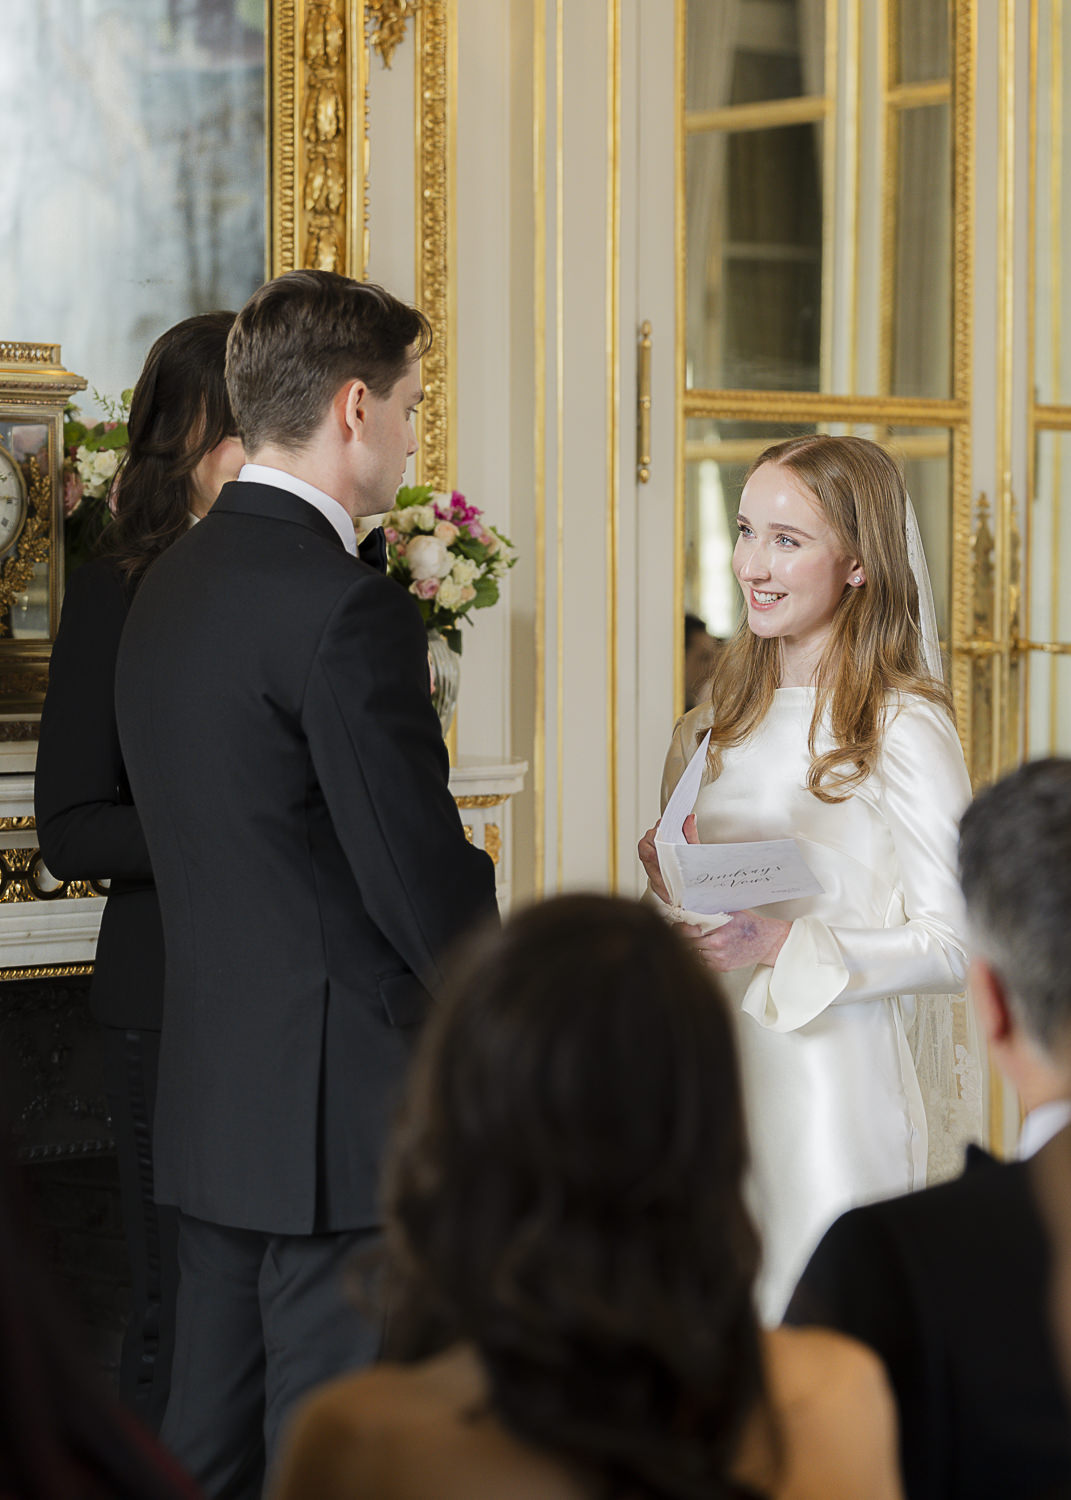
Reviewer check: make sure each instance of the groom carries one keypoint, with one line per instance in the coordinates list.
(289, 769)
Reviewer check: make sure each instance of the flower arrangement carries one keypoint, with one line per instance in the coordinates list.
(440, 549)
(91, 459)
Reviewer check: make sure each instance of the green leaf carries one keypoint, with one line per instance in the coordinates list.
(452, 636)
(475, 551)
(486, 593)
(412, 494)
(117, 438)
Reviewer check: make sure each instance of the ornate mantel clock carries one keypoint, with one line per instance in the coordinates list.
(34, 388)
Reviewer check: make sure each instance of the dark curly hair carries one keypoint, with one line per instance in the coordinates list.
(179, 412)
(564, 1194)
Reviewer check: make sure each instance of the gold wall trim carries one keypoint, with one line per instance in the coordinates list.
(434, 264)
(318, 139)
(539, 433)
(920, 95)
(765, 116)
(962, 604)
(814, 406)
(559, 397)
(680, 336)
(1052, 418)
(484, 799)
(613, 406)
(17, 825)
(46, 971)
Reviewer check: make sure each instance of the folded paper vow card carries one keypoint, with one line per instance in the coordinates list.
(710, 879)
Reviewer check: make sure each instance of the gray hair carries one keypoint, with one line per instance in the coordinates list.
(1015, 869)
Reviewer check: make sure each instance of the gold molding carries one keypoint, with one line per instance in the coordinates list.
(317, 95)
(613, 406)
(386, 22)
(539, 433)
(434, 263)
(680, 335)
(964, 49)
(767, 115)
(484, 799)
(919, 95)
(46, 971)
(492, 841)
(17, 824)
(816, 406)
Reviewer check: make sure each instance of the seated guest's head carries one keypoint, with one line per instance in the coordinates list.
(183, 442)
(565, 1195)
(325, 370)
(1015, 867)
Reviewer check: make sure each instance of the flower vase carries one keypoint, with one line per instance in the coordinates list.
(446, 672)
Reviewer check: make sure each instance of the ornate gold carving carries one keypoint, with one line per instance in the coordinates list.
(485, 799)
(318, 170)
(24, 877)
(17, 825)
(46, 971)
(18, 731)
(33, 542)
(386, 24)
(324, 132)
(433, 238)
(466, 829)
(15, 353)
(492, 841)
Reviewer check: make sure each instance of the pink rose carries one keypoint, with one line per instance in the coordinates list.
(425, 588)
(392, 536)
(447, 532)
(401, 546)
(468, 593)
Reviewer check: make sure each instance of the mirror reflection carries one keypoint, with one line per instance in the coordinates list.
(135, 166)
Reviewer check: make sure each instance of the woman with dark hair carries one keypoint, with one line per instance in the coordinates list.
(570, 1260)
(182, 449)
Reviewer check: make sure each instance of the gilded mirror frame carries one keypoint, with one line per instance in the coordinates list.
(318, 131)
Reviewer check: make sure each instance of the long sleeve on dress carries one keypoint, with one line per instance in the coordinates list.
(86, 825)
(924, 790)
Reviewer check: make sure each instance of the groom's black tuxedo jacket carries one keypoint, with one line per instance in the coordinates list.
(289, 769)
(950, 1287)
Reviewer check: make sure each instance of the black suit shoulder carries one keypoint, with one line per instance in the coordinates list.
(949, 1287)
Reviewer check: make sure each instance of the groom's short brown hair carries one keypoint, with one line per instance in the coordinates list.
(302, 336)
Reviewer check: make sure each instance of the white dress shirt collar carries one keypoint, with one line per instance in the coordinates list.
(1041, 1124)
(334, 512)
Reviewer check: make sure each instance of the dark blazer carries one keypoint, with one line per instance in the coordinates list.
(86, 822)
(950, 1287)
(273, 705)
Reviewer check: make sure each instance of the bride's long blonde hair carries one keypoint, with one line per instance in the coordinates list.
(875, 644)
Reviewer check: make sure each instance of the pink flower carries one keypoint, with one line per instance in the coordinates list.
(425, 588)
(401, 546)
(447, 532)
(73, 489)
(392, 536)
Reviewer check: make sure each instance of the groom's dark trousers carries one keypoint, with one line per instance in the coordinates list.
(273, 706)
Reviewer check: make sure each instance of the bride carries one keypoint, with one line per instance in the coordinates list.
(831, 725)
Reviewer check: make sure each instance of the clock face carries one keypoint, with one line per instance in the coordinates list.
(12, 501)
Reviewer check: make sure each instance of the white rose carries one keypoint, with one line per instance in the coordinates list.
(427, 557)
(424, 518)
(449, 595)
(499, 567)
(405, 521)
(97, 469)
(464, 571)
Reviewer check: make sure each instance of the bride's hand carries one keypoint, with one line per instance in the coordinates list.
(649, 856)
(746, 939)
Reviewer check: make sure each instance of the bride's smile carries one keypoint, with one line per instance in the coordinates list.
(790, 564)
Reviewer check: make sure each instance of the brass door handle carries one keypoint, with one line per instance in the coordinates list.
(643, 405)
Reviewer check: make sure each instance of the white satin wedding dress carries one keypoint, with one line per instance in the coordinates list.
(829, 1035)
